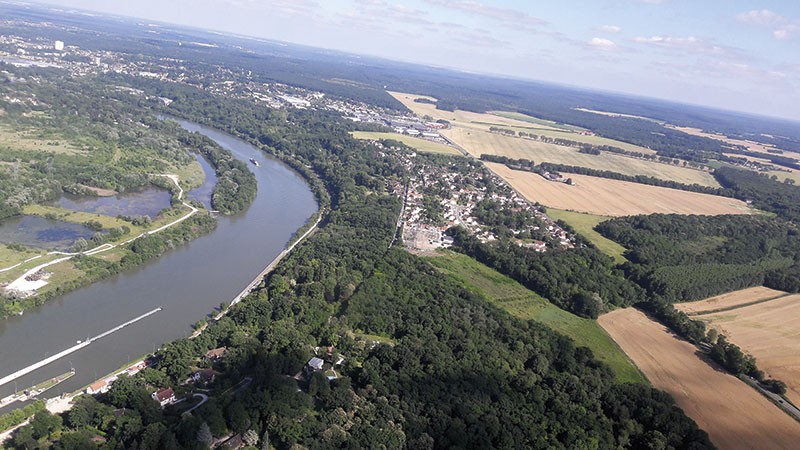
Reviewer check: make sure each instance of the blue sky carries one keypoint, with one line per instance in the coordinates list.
(732, 54)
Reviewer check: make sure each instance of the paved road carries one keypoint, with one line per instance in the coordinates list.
(203, 399)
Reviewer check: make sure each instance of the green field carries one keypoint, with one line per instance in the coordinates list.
(530, 119)
(584, 224)
(419, 144)
(522, 303)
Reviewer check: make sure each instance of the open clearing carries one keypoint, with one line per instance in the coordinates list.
(506, 119)
(607, 197)
(584, 224)
(522, 303)
(33, 141)
(417, 143)
(770, 331)
(730, 300)
(735, 415)
(479, 142)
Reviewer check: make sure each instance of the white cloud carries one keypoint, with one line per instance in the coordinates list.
(602, 43)
(509, 17)
(761, 18)
(609, 29)
(782, 27)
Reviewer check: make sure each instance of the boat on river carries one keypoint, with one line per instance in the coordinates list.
(254, 161)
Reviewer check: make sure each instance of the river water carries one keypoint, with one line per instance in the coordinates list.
(188, 283)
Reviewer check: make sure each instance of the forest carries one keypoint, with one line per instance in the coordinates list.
(583, 281)
(681, 258)
(426, 364)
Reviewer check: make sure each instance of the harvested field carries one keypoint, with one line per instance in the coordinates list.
(479, 142)
(750, 145)
(770, 331)
(734, 414)
(606, 197)
(417, 143)
(457, 117)
(730, 300)
(512, 120)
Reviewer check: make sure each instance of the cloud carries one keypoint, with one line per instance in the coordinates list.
(510, 17)
(762, 18)
(613, 29)
(688, 44)
(782, 27)
(602, 43)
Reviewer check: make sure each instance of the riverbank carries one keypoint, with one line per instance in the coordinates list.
(25, 289)
(188, 281)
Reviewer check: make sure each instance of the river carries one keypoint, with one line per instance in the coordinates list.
(188, 283)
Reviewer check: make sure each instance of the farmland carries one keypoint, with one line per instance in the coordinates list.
(607, 197)
(730, 300)
(734, 415)
(417, 143)
(770, 331)
(584, 224)
(511, 120)
(522, 303)
(479, 142)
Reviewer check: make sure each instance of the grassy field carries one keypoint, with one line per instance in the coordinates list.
(419, 144)
(607, 197)
(68, 215)
(36, 141)
(522, 303)
(9, 257)
(770, 331)
(729, 301)
(536, 121)
(584, 224)
(479, 142)
(735, 415)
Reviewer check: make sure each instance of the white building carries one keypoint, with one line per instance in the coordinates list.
(59, 45)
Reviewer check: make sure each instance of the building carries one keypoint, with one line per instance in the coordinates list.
(59, 46)
(98, 387)
(215, 354)
(164, 397)
(314, 365)
(203, 376)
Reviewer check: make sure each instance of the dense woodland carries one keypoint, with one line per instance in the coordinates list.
(583, 281)
(448, 370)
(681, 258)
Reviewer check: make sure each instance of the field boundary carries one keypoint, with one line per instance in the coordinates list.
(734, 307)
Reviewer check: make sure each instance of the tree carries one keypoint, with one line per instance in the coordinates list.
(44, 424)
(204, 436)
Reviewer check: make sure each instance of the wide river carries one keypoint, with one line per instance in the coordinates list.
(188, 283)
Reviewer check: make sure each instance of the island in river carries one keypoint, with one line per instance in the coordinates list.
(189, 282)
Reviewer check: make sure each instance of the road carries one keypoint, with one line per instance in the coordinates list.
(203, 399)
(777, 399)
(21, 284)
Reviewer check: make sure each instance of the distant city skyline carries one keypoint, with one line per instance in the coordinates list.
(731, 54)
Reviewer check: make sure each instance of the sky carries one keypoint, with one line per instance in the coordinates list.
(732, 54)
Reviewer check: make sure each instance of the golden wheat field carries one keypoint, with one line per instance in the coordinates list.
(479, 142)
(730, 300)
(511, 120)
(606, 197)
(770, 331)
(734, 414)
